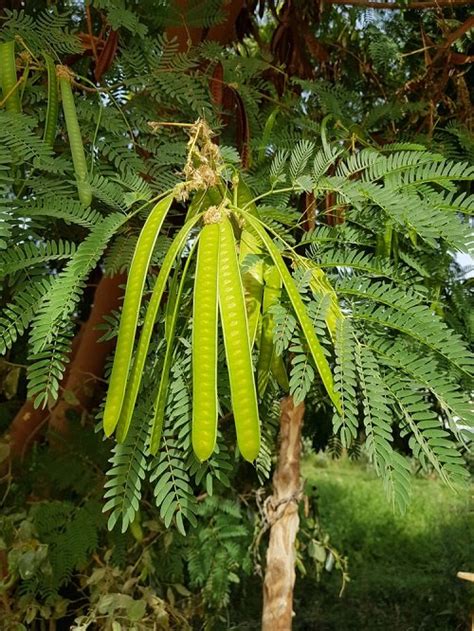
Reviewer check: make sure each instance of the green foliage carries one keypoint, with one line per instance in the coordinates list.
(220, 552)
(71, 534)
(54, 206)
(346, 423)
(393, 469)
(390, 313)
(173, 492)
(125, 477)
(302, 373)
(25, 146)
(45, 31)
(17, 315)
(27, 255)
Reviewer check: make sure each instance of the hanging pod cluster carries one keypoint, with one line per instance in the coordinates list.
(262, 289)
(241, 301)
(217, 289)
(61, 76)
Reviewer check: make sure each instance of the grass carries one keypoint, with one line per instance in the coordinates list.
(402, 568)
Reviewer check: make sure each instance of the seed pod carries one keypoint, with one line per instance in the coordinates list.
(245, 198)
(135, 378)
(204, 345)
(52, 110)
(271, 296)
(252, 282)
(253, 279)
(237, 345)
(74, 134)
(172, 311)
(315, 348)
(131, 308)
(10, 89)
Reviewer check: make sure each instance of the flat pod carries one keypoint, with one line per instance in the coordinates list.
(271, 296)
(237, 345)
(52, 110)
(252, 280)
(316, 350)
(74, 135)
(171, 316)
(135, 378)
(204, 344)
(131, 308)
(10, 91)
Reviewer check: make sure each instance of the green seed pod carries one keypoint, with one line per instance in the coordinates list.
(315, 348)
(172, 311)
(134, 380)
(202, 200)
(131, 308)
(237, 345)
(10, 89)
(271, 296)
(267, 132)
(252, 281)
(204, 346)
(52, 110)
(75, 138)
(245, 197)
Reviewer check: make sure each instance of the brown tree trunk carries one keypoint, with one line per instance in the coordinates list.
(282, 515)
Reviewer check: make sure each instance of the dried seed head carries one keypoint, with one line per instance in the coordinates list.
(203, 164)
(215, 214)
(201, 177)
(64, 72)
(24, 58)
(212, 215)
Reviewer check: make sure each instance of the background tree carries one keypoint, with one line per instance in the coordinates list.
(283, 83)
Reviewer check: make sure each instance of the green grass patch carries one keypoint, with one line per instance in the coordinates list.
(402, 567)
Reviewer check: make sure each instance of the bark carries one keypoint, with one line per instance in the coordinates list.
(282, 515)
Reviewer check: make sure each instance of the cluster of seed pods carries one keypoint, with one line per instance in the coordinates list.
(218, 290)
(240, 301)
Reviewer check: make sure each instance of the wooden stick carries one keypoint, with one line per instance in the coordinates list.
(466, 576)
